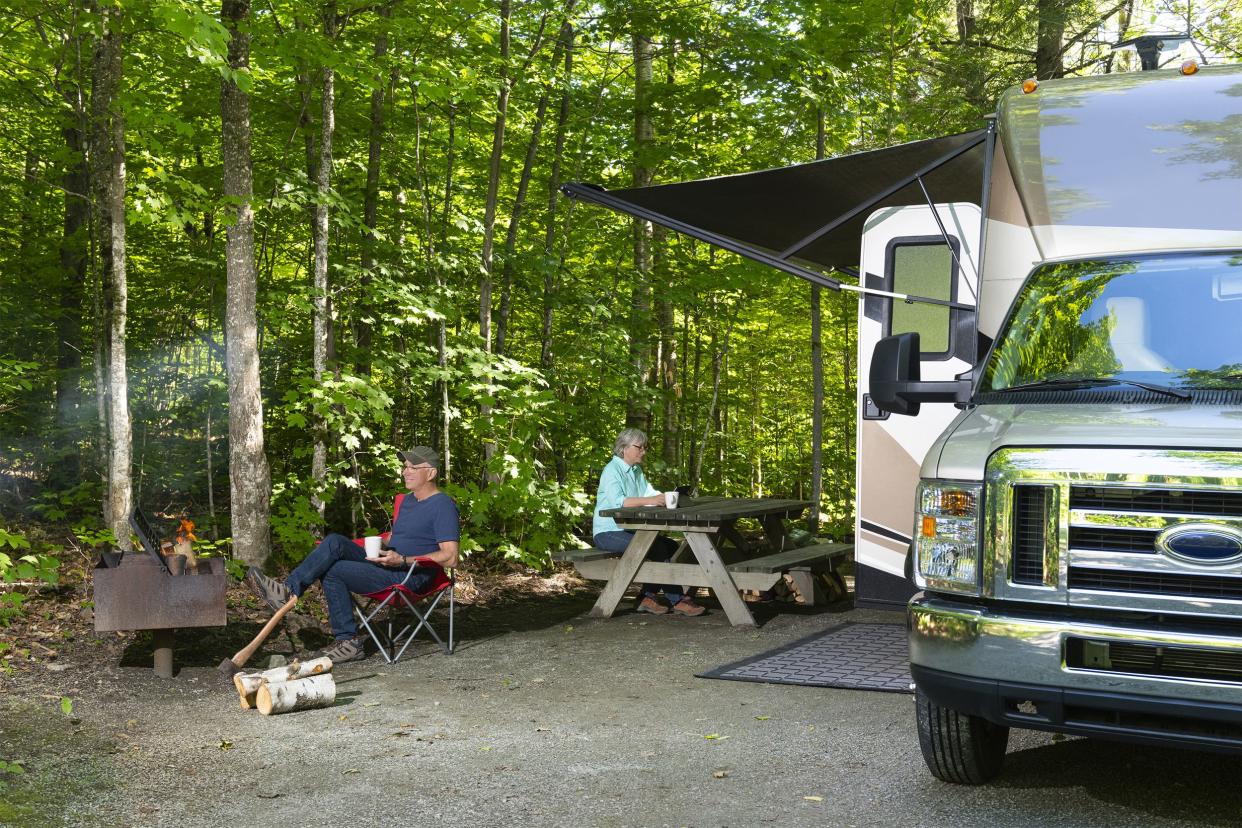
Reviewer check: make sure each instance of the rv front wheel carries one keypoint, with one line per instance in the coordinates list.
(958, 748)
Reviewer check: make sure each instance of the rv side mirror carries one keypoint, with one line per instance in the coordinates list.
(896, 382)
(894, 363)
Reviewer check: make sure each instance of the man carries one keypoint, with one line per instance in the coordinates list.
(427, 526)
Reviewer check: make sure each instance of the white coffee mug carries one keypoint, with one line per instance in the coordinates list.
(670, 500)
(373, 543)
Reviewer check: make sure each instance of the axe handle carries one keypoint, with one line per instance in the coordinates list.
(244, 654)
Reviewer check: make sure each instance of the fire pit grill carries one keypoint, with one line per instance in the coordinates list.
(140, 593)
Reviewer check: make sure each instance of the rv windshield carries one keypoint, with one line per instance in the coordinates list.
(1173, 320)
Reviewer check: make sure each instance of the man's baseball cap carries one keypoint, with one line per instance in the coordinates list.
(419, 455)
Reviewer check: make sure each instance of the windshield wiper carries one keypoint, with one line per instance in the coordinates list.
(1094, 382)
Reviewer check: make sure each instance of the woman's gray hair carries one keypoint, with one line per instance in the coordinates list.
(629, 437)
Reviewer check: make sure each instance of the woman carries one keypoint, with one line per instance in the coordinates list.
(622, 483)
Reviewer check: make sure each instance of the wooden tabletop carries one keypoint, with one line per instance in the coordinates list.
(706, 511)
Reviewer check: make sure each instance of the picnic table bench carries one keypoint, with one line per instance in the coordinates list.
(705, 523)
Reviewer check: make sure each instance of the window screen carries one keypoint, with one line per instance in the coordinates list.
(922, 270)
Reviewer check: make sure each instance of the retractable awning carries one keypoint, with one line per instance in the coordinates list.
(806, 214)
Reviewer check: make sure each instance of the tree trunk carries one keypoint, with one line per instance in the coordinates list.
(493, 181)
(817, 368)
(249, 476)
(67, 462)
(322, 322)
(370, 209)
(670, 392)
(108, 146)
(1048, 42)
(554, 185)
(638, 404)
(519, 201)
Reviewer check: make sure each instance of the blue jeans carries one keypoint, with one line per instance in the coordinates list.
(343, 568)
(661, 550)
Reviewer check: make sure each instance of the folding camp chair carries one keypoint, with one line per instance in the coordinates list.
(399, 599)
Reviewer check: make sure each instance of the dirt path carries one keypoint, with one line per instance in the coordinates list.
(546, 717)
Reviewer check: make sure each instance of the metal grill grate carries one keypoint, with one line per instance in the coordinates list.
(1030, 528)
(1156, 660)
(1156, 583)
(1172, 501)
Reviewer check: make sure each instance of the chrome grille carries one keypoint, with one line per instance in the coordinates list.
(1174, 501)
(1156, 583)
(1103, 510)
(1030, 521)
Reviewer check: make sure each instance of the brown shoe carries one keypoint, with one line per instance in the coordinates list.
(651, 605)
(686, 606)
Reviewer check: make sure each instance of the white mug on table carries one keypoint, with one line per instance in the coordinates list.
(373, 544)
(670, 500)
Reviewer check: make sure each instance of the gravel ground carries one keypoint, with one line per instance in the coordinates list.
(545, 716)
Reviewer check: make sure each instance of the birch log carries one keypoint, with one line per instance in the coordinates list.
(298, 694)
(248, 684)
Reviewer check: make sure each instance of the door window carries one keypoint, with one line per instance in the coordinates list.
(922, 267)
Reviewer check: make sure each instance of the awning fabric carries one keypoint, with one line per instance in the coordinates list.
(765, 215)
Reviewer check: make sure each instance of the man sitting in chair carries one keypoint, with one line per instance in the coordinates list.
(427, 526)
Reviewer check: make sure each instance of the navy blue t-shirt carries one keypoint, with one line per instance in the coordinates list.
(422, 524)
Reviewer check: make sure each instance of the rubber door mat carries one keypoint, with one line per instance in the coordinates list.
(858, 656)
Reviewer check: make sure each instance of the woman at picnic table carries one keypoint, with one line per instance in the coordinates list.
(622, 484)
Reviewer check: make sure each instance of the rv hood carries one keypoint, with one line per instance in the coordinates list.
(807, 214)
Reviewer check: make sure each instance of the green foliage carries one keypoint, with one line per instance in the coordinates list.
(22, 569)
(737, 87)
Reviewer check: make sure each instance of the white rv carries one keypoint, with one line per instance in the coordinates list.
(1050, 440)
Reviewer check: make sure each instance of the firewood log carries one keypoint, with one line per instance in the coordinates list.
(248, 684)
(297, 694)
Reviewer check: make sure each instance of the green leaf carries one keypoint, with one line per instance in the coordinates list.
(66, 705)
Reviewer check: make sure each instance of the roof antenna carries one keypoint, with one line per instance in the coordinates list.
(1150, 46)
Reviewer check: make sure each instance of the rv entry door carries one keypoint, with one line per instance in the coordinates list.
(904, 251)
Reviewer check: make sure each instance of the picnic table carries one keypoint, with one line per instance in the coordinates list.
(707, 524)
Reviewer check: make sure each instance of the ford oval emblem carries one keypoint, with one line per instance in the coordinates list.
(1205, 544)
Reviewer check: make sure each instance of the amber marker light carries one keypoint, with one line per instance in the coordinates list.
(929, 526)
(1029, 85)
(1189, 67)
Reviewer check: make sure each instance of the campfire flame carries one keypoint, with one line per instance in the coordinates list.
(186, 531)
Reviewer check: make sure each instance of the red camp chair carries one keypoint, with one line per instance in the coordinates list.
(397, 600)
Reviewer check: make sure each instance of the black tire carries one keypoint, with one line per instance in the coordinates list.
(959, 748)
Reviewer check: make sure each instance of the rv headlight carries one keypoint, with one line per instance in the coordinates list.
(946, 536)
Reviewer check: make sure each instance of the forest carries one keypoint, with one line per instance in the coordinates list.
(249, 250)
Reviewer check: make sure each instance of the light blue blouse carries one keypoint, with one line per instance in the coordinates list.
(618, 481)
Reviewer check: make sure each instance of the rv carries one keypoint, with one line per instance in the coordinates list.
(1050, 429)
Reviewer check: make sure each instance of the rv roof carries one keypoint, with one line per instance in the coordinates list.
(1130, 162)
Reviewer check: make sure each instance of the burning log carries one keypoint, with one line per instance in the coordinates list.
(182, 543)
(248, 684)
(298, 694)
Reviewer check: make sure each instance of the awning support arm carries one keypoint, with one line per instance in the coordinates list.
(944, 234)
(883, 194)
(600, 196)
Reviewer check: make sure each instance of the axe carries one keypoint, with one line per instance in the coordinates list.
(230, 666)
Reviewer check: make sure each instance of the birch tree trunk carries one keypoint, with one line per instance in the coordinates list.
(638, 405)
(322, 332)
(108, 146)
(249, 475)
